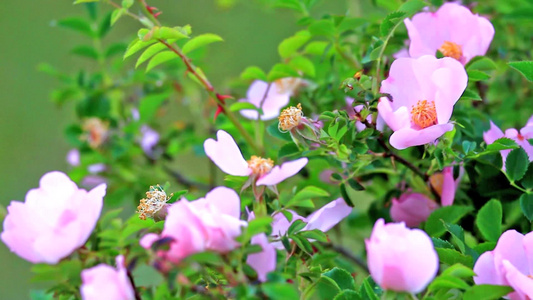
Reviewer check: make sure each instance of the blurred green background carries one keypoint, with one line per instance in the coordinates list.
(31, 131)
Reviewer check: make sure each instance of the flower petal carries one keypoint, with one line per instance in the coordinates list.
(493, 134)
(265, 261)
(225, 153)
(280, 173)
(226, 200)
(328, 215)
(448, 187)
(407, 137)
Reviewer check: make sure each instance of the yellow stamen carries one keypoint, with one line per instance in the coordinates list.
(290, 118)
(259, 165)
(424, 114)
(451, 49)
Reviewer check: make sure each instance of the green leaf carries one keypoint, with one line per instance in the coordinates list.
(77, 24)
(303, 64)
(258, 225)
(168, 33)
(136, 45)
(345, 195)
(41, 295)
(489, 220)
(348, 295)
(150, 104)
(459, 270)
(114, 49)
(280, 291)
(253, 73)
(487, 292)
(281, 71)
(117, 13)
(470, 95)
(447, 282)
(104, 26)
(390, 21)
(412, 6)
(527, 180)
(343, 279)
(315, 234)
(85, 51)
(482, 63)
(452, 257)
(296, 226)
(526, 204)
(160, 58)
(127, 3)
(502, 144)
(516, 164)
(524, 67)
(322, 27)
(149, 52)
(448, 214)
(308, 192)
(242, 105)
(476, 75)
(200, 41)
(290, 45)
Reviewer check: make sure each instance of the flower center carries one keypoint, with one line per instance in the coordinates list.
(156, 198)
(424, 114)
(95, 131)
(259, 165)
(451, 49)
(290, 118)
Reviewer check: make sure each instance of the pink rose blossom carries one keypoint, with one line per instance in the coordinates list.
(424, 91)
(510, 263)
(262, 262)
(225, 153)
(323, 219)
(520, 137)
(103, 282)
(453, 30)
(55, 219)
(271, 103)
(401, 259)
(210, 223)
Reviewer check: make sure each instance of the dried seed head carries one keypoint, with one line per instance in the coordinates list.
(155, 200)
(290, 118)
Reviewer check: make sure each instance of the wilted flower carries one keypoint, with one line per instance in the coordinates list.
(105, 282)
(55, 219)
(210, 223)
(520, 137)
(424, 91)
(401, 259)
(510, 263)
(225, 153)
(96, 131)
(453, 30)
(414, 208)
(154, 205)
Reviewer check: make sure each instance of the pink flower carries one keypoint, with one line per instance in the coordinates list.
(149, 140)
(401, 259)
(225, 153)
(73, 157)
(415, 208)
(54, 220)
(270, 102)
(262, 262)
(453, 30)
(520, 137)
(210, 223)
(510, 263)
(412, 208)
(424, 91)
(103, 282)
(323, 219)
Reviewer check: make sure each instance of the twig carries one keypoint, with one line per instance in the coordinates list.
(185, 181)
(346, 253)
(130, 276)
